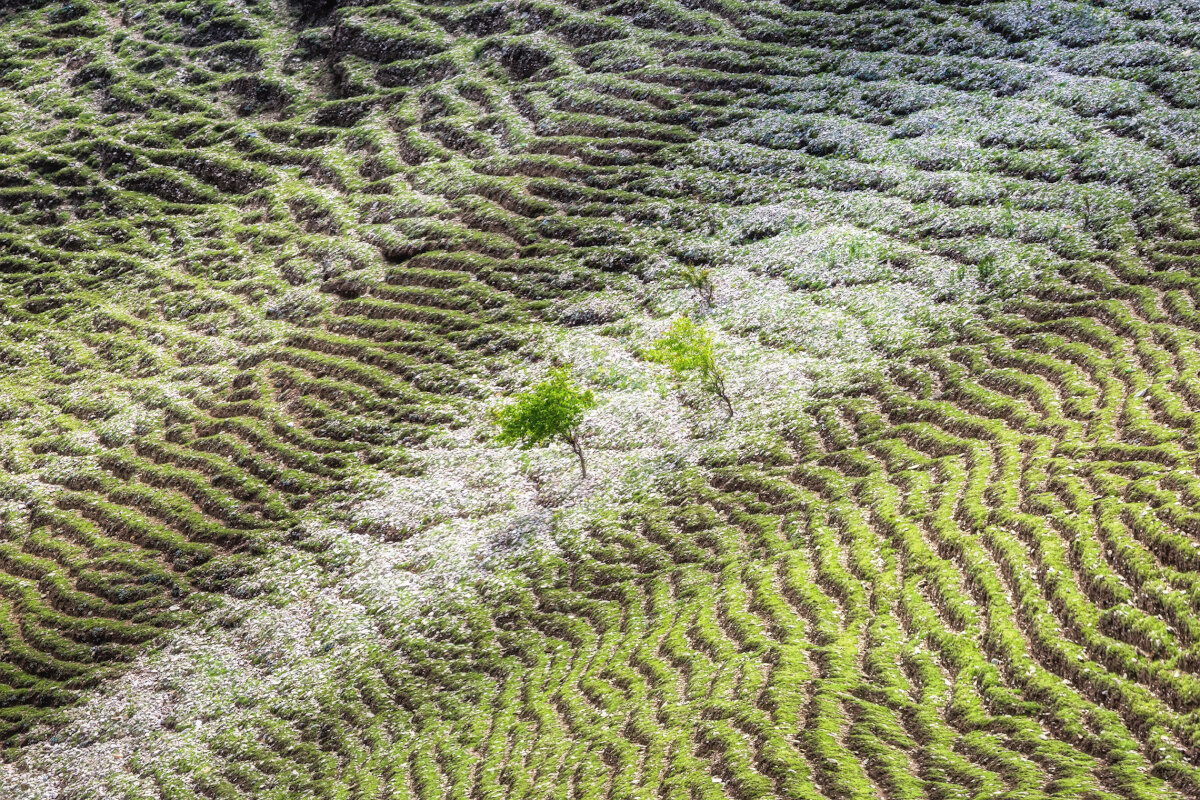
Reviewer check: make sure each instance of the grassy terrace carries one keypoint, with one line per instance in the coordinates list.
(268, 266)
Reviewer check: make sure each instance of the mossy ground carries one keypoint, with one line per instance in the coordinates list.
(265, 265)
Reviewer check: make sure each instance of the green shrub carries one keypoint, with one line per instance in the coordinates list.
(699, 280)
(551, 410)
(687, 348)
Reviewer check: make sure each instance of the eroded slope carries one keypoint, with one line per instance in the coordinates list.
(258, 257)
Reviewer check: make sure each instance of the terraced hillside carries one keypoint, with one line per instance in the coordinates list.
(265, 267)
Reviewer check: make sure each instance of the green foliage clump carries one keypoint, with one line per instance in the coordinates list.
(687, 348)
(699, 280)
(550, 411)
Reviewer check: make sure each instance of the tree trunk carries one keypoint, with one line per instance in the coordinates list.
(573, 440)
(718, 386)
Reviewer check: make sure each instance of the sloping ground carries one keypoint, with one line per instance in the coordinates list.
(260, 260)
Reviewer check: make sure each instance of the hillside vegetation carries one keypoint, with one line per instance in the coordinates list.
(269, 268)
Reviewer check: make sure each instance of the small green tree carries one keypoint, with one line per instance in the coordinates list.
(687, 348)
(700, 281)
(551, 410)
